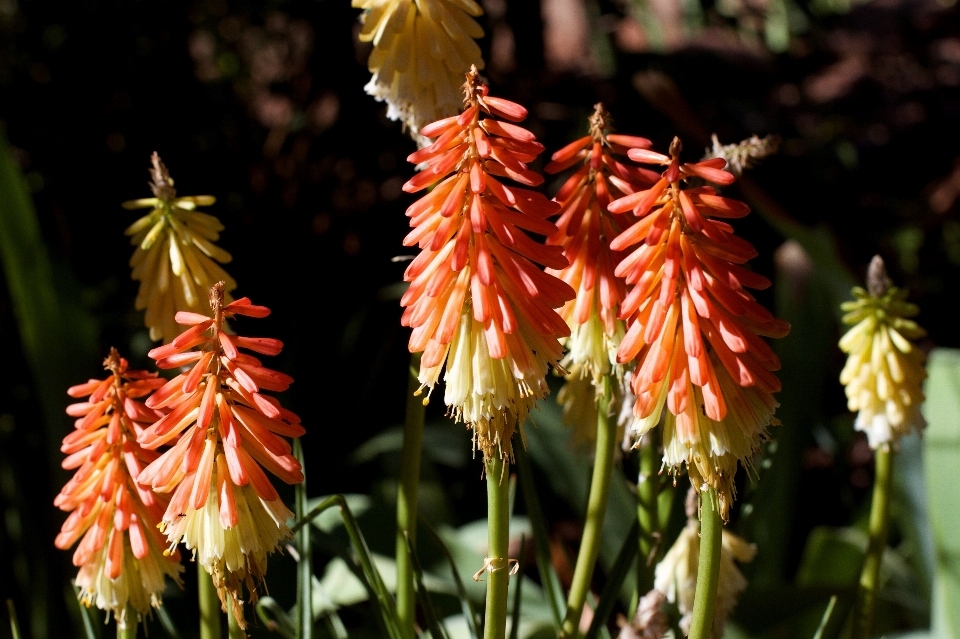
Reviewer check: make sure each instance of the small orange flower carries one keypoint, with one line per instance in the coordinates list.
(687, 285)
(476, 301)
(224, 432)
(121, 558)
(584, 230)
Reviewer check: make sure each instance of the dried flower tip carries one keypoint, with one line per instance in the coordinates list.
(744, 154)
(216, 297)
(878, 282)
(599, 122)
(161, 183)
(675, 147)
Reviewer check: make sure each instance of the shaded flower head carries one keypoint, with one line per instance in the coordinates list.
(884, 370)
(476, 302)
(421, 49)
(176, 260)
(676, 574)
(120, 555)
(224, 432)
(585, 229)
(744, 154)
(693, 328)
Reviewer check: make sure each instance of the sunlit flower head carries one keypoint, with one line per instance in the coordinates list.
(224, 432)
(692, 326)
(121, 554)
(421, 49)
(176, 260)
(676, 574)
(585, 229)
(476, 302)
(884, 370)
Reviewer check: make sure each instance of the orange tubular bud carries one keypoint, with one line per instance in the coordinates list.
(476, 302)
(692, 322)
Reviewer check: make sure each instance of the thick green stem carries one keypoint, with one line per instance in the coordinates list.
(130, 631)
(498, 542)
(407, 494)
(648, 493)
(234, 631)
(708, 570)
(210, 627)
(879, 522)
(596, 510)
(305, 565)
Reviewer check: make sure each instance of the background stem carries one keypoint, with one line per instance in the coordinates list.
(648, 489)
(234, 631)
(407, 495)
(879, 523)
(498, 542)
(130, 632)
(708, 570)
(596, 510)
(210, 624)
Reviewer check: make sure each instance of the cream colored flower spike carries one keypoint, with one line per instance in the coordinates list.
(421, 49)
(884, 370)
(176, 259)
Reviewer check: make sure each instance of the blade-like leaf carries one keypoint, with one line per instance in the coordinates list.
(469, 614)
(423, 595)
(275, 618)
(611, 588)
(168, 626)
(14, 624)
(552, 587)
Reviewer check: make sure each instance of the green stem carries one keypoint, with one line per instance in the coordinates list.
(648, 489)
(879, 521)
(209, 606)
(234, 631)
(407, 495)
(130, 632)
(305, 565)
(596, 511)
(498, 542)
(708, 570)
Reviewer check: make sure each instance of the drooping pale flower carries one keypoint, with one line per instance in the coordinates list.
(176, 259)
(693, 328)
(650, 622)
(477, 303)
(421, 49)
(121, 554)
(676, 574)
(224, 432)
(884, 370)
(585, 229)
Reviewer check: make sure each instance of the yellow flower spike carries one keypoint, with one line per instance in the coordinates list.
(421, 49)
(176, 259)
(884, 370)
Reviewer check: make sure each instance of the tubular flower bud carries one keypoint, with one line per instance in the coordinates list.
(421, 50)
(884, 370)
(477, 303)
(120, 554)
(585, 229)
(692, 326)
(176, 259)
(224, 432)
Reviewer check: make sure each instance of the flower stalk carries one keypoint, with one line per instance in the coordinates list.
(596, 511)
(407, 495)
(497, 563)
(210, 623)
(708, 570)
(648, 495)
(879, 524)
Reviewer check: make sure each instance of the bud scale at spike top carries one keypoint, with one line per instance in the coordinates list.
(693, 328)
(224, 432)
(121, 553)
(477, 303)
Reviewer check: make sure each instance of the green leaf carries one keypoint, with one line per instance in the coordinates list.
(275, 618)
(468, 612)
(614, 581)
(329, 519)
(423, 595)
(14, 624)
(941, 447)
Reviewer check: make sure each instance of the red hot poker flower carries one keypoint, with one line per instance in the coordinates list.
(224, 432)
(121, 558)
(476, 302)
(692, 326)
(584, 230)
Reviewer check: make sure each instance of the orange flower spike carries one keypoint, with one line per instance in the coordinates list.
(225, 432)
(477, 303)
(585, 229)
(693, 329)
(121, 554)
